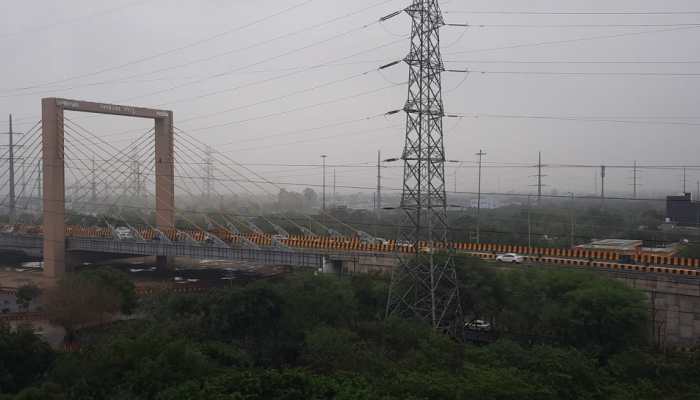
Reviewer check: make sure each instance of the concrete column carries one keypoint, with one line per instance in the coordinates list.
(165, 178)
(54, 189)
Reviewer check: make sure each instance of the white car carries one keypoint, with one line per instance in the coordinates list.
(123, 233)
(478, 325)
(510, 258)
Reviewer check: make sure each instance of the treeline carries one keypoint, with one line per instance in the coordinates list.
(563, 335)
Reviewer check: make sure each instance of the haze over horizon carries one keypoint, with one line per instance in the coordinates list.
(275, 84)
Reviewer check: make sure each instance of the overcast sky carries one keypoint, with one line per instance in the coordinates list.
(259, 80)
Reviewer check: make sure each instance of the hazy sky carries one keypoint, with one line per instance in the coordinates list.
(259, 83)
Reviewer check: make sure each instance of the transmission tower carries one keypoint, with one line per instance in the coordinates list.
(539, 177)
(425, 285)
(635, 180)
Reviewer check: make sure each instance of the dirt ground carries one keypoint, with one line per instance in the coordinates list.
(142, 271)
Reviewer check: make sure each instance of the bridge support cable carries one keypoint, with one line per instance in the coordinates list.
(191, 140)
(115, 164)
(248, 222)
(111, 164)
(30, 171)
(113, 209)
(140, 147)
(28, 150)
(93, 202)
(197, 182)
(28, 146)
(187, 139)
(180, 234)
(228, 226)
(87, 185)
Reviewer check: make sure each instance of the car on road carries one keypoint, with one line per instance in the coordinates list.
(123, 233)
(510, 258)
(478, 325)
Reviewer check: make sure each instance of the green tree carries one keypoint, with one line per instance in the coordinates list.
(24, 358)
(80, 300)
(113, 280)
(26, 294)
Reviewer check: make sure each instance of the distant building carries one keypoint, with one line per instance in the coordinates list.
(486, 204)
(682, 210)
(629, 247)
(619, 245)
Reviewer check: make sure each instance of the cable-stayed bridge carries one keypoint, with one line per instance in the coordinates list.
(75, 193)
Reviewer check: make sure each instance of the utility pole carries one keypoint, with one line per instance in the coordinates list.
(634, 181)
(684, 191)
(11, 153)
(572, 211)
(11, 157)
(323, 156)
(457, 168)
(539, 177)
(602, 182)
(424, 286)
(333, 202)
(595, 181)
(478, 200)
(529, 225)
(378, 203)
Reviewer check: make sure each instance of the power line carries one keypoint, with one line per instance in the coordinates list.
(586, 73)
(504, 12)
(265, 60)
(576, 61)
(302, 108)
(228, 52)
(165, 52)
(255, 83)
(570, 25)
(75, 19)
(575, 40)
(575, 118)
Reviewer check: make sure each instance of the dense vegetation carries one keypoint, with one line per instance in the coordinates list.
(563, 335)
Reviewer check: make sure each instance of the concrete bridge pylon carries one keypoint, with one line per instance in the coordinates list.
(53, 109)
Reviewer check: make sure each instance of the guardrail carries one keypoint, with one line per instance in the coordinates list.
(330, 244)
(682, 272)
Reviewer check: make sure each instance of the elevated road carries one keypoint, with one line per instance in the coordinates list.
(316, 252)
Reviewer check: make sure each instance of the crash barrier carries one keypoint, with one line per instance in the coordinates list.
(355, 244)
(617, 266)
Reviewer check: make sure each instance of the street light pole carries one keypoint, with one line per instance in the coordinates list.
(529, 226)
(478, 200)
(573, 223)
(323, 156)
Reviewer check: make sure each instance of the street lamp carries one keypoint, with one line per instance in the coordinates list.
(481, 154)
(323, 156)
(573, 218)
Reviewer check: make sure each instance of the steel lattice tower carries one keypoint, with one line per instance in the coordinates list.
(425, 286)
